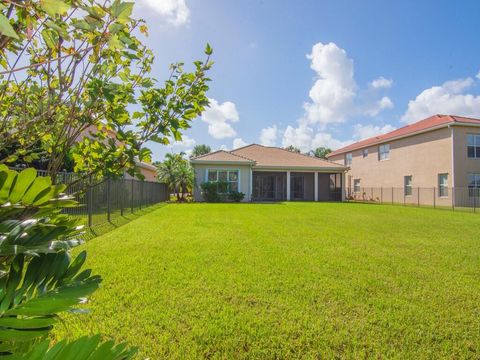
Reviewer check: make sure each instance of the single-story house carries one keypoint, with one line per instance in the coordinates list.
(266, 173)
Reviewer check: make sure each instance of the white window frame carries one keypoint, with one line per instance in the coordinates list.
(475, 189)
(365, 153)
(443, 193)
(217, 170)
(383, 152)
(405, 186)
(348, 159)
(476, 144)
(357, 185)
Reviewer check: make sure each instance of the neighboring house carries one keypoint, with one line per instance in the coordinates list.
(438, 153)
(270, 174)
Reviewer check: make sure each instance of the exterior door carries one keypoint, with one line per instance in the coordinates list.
(264, 188)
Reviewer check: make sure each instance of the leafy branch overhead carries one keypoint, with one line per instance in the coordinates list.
(87, 90)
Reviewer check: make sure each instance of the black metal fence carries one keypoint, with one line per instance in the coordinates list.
(103, 201)
(458, 198)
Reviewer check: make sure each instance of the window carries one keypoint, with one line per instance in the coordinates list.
(227, 180)
(335, 182)
(407, 181)
(474, 185)
(356, 185)
(365, 153)
(384, 152)
(473, 146)
(348, 159)
(443, 185)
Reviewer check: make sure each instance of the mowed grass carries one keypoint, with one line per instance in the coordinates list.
(291, 280)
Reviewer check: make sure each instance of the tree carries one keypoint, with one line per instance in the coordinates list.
(177, 173)
(293, 149)
(86, 89)
(200, 149)
(321, 152)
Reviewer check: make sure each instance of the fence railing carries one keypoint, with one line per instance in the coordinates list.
(104, 201)
(458, 198)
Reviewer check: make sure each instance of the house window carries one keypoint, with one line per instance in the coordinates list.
(443, 185)
(365, 153)
(348, 159)
(473, 146)
(407, 188)
(474, 185)
(384, 152)
(227, 180)
(356, 185)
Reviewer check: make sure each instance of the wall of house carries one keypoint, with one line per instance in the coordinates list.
(463, 164)
(423, 156)
(244, 176)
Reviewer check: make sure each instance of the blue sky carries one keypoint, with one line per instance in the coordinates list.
(318, 73)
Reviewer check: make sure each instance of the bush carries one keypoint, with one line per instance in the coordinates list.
(210, 192)
(237, 196)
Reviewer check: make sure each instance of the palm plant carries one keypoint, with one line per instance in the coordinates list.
(200, 149)
(177, 173)
(38, 278)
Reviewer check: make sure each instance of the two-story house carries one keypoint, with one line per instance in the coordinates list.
(436, 157)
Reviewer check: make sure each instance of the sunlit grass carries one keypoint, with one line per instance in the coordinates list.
(296, 280)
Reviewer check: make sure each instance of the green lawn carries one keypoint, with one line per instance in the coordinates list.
(296, 280)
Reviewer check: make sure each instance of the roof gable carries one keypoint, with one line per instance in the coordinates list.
(222, 156)
(266, 156)
(427, 124)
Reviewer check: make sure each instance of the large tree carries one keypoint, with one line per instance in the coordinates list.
(321, 152)
(75, 81)
(200, 149)
(177, 173)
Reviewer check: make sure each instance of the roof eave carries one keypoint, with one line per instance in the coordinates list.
(220, 162)
(301, 168)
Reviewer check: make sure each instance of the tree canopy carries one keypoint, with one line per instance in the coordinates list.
(75, 81)
(200, 149)
(321, 152)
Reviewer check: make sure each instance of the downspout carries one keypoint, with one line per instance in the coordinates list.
(453, 157)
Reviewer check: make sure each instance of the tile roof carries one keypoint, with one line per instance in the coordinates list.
(432, 122)
(222, 156)
(266, 156)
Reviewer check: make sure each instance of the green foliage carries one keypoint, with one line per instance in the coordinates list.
(38, 278)
(86, 68)
(293, 149)
(200, 149)
(321, 152)
(177, 173)
(236, 196)
(288, 281)
(210, 191)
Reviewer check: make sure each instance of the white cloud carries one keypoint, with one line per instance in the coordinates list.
(478, 75)
(449, 98)
(238, 143)
(268, 136)
(361, 131)
(176, 12)
(335, 96)
(219, 118)
(224, 147)
(381, 83)
(186, 142)
(379, 106)
(305, 138)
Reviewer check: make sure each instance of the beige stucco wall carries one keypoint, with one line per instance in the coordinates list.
(424, 156)
(244, 173)
(463, 164)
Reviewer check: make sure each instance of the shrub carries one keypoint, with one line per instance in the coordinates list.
(237, 196)
(210, 191)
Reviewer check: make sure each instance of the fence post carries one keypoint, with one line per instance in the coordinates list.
(131, 200)
(122, 194)
(434, 197)
(474, 202)
(141, 194)
(90, 202)
(108, 200)
(418, 196)
(381, 195)
(453, 199)
(392, 195)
